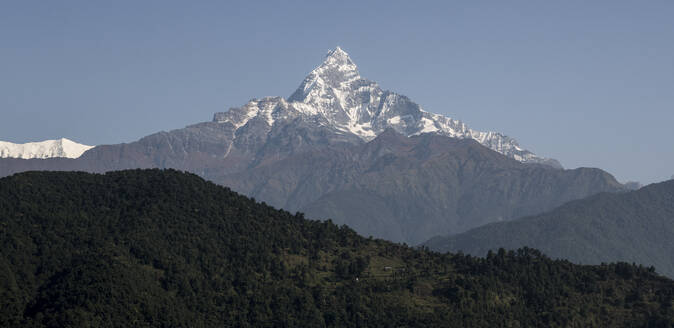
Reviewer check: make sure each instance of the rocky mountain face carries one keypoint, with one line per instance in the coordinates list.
(635, 227)
(43, 149)
(340, 147)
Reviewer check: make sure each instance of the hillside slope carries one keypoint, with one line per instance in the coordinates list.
(163, 248)
(635, 227)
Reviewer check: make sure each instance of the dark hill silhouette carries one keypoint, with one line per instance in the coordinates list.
(167, 249)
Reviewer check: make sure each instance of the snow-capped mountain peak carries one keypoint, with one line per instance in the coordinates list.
(335, 95)
(336, 72)
(43, 149)
(340, 60)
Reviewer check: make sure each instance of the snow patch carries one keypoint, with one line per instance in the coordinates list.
(43, 149)
(394, 120)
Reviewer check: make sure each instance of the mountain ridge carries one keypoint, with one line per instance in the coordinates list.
(635, 226)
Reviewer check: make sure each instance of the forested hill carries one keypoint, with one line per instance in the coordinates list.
(164, 248)
(637, 226)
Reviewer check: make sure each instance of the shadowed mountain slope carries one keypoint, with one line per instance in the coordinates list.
(635, 227)
(407, 189)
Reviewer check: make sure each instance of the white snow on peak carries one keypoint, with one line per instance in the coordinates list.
(44, 149)
(266, 109)
(336, 73)
(334, 94)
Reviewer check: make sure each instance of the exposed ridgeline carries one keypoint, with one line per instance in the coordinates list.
(635, 227)
(163, 248)
(333, 149)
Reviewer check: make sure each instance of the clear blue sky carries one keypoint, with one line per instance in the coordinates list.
(590, 83)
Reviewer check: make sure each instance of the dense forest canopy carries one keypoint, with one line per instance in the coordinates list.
(169, 249)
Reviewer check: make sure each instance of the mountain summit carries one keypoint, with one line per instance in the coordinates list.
(336, 72)
(335, 96)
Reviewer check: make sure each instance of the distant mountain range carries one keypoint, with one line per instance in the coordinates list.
(637, 226)
(44, 149)
(340, 147)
